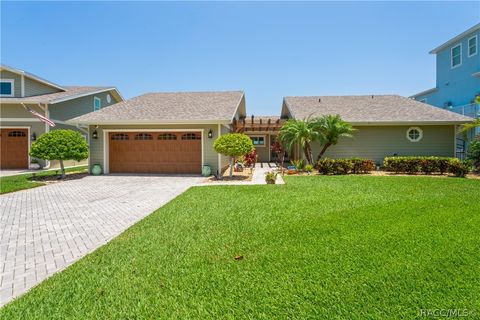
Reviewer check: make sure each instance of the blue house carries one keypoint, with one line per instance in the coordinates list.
(458, 75)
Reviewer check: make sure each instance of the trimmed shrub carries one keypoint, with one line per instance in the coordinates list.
(325, 165)
(426, 165)
(345, 166)
(362, 165)
(459, 168)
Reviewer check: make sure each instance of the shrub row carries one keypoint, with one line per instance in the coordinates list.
(345, 166)
(427, 165)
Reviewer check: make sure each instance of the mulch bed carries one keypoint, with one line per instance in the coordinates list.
(245, 175)
(58, 178)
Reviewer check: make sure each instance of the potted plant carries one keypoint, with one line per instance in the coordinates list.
(271, 177)
(34, 165)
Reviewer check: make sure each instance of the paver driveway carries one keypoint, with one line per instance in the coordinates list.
(45, 229)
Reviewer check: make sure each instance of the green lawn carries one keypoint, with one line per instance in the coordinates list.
(24, 181)
(328, 247)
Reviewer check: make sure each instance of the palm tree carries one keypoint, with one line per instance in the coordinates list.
(301, 132)
(330, 129)
(469, 126)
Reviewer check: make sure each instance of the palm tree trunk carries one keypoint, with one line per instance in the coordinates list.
(307, 150)
(325, 147)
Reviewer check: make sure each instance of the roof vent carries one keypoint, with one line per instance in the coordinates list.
(372, 96)
(319, 99)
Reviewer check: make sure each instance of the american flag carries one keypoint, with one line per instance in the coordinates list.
(42, 118)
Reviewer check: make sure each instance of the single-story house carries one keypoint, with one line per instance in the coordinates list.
(20, 91)
(386, 125)
(162, 132)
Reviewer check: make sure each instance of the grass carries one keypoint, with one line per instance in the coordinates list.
(325, 247)
(24, 181)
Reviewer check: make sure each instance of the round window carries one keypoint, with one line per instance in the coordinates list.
(109, 99)
(414, 134)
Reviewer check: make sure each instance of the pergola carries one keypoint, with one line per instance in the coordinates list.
(259, 124)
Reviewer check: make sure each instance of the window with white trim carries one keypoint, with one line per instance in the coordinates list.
(414, 134)
(456, 55)
(97, 103)
(472, 46)
(258, 141)
(7, 88)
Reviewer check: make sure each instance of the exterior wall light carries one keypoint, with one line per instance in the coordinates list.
(210, 134)
(94, 134)
(33, 137)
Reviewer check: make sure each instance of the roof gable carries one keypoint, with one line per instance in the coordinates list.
(32, 77)
(456, 39)
(384, 109)
(171, 107)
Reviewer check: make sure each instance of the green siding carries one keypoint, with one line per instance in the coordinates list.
(76, 107)
(18, 111)
(376, 143)
(35, 88)
(209, 154)
(17, 86)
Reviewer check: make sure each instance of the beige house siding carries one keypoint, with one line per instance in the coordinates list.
(378, 142)
(76, 107)
(263, 152)
(35, 88)
(210, 157)
(224, 160)
(17, 84)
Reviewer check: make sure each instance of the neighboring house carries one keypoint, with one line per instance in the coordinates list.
(387, 125)
(458, 75)
(163, 132)
(19, 128)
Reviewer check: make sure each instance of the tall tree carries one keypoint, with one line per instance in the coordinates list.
(330, 129)
(299, 132)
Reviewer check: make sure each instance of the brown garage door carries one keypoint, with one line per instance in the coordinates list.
(13, 148)
(155, 152)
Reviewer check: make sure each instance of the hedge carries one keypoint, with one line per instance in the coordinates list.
(427, 165)
(345, 166)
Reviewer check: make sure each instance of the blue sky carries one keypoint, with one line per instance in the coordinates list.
(269, 49)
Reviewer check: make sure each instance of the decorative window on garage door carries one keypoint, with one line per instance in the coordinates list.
(16, 134)
(167, 136)
(143, 136)
(191, 136)
(120, 136)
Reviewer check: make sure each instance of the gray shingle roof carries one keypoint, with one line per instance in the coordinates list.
(168, 107)
(371, 109)
(70, 92)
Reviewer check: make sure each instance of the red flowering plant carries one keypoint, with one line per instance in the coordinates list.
(279, 150)
(250, 158)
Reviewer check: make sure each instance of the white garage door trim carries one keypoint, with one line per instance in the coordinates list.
(106, 146)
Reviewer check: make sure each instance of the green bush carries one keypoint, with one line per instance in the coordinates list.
(308, 168)
(325, 165)
(345, 166)
(299, 164)
(459, 168)
(362, 165)
(474, 153)
(426, 165)
(233, 145)
(60, 145)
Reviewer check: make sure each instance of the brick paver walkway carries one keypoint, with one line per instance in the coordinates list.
(45, 229)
